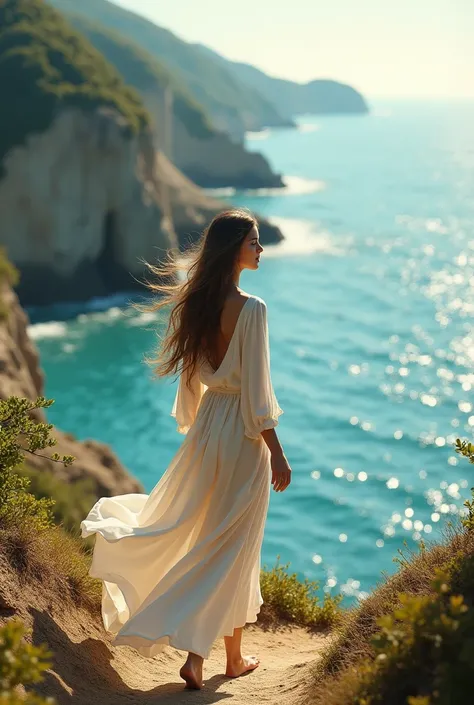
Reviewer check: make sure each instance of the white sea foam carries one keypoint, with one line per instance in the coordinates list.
(109, 316)
(142, 318)
(300, 237)
(308, 127)
(260, 135)
(51, 329)
(293, 186)
(296, 185)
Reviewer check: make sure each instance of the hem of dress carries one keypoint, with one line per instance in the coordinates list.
(173, 642)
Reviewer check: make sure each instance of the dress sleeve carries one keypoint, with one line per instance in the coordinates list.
(186, 401)
(260, 408)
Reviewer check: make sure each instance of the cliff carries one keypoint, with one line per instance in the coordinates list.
(85, 200)
(21, 375)
(232, 106)
(204, 154)
(317, 97)
(82, 196)
(80, 204)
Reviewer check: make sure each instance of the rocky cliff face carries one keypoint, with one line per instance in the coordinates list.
(214, 161)
(21, 375)
(80, 205)
(84, 202)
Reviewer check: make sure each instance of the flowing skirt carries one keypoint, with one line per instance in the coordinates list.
(181, 566)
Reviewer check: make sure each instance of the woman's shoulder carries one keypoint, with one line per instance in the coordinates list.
(254, 311)
(257, 301)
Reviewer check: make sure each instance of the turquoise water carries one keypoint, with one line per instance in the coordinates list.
(371, 303)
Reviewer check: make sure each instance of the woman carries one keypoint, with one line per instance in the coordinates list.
(181, 565)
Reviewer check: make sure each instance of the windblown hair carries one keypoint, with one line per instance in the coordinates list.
(197, 301)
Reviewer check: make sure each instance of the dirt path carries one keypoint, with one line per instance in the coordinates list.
(88, 670)
(281, 677)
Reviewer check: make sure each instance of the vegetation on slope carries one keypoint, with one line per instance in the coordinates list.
(142, 71)
(21, 664)
(45, 66)
(233, 105)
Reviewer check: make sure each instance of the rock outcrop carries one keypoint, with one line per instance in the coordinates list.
(84, 202)
(192, 209)
(210, 161)
(21, 375)
(80, 205)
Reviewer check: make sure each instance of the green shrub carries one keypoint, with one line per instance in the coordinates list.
(72, 500)
(425, 650)
(21, 663)
(287, 598)
(467, 450)
(20, 434)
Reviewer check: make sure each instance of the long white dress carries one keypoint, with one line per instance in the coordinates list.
(181, 566)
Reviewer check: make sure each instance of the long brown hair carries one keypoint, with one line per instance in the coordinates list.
(197, 302)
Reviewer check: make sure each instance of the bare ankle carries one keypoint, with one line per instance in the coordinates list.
(235, 658)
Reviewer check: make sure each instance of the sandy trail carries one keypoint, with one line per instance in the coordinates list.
(280, 678)
(88, 670)
(120, 676)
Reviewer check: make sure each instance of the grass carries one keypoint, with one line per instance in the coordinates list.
(288, 599)
(72, 500)
(54, 560)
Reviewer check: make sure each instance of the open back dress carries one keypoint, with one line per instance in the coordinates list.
(181, 566)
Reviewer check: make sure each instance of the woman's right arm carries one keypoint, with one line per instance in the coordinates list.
(281, 471)
(260, 408)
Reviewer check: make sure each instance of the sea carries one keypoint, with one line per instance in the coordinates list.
(371, 315)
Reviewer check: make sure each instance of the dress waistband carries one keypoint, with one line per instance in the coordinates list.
(223, 390)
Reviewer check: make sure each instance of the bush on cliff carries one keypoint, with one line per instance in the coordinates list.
(34, 546)
(45, 66)
(72, 500)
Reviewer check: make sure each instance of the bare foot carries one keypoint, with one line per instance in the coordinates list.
(191, 672)
(237, 668)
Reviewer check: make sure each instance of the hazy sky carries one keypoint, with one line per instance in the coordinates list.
(384, 48)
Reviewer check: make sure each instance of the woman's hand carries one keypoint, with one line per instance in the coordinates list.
(281, 472)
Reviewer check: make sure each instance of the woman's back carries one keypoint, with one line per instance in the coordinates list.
(233, 306)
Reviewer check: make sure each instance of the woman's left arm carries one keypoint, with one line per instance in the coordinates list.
(187, 399)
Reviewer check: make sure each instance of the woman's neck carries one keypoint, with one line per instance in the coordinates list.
(236, 277)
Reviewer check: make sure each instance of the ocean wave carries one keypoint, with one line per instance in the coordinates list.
(293, 186)
(308, 127)
(300, 237)
(260, 135)
(52, 329)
